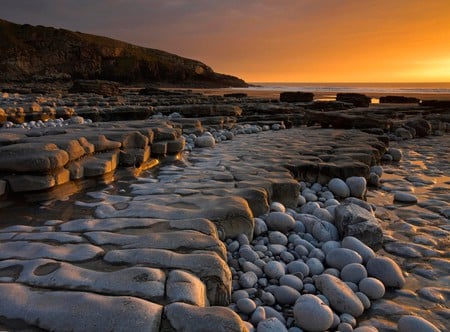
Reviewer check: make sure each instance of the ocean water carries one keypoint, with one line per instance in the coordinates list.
(378, 88)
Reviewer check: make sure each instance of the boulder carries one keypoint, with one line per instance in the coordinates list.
(421, 126)
(357, 99)
(189, 318)
(296, 97)
(398, 100)
(386, 270)
(353, 220)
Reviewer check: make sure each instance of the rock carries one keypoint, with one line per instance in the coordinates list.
(189, 318)
(421, 126)
(205, 142)
(298, 266)
(341, 297)
(274, 269)
(353, 220)
(104, 88)
(398, 100)
(340, 257)
(271, 324)
(357, 99)
(386, 270)
(291, 281)
(403, 197)
(395, 153)
(296, 97)
(339, 188)
(417, 324)
(403, 133)
(315, 266)
(280, 221)
(248, 279)
(312, 314)
(353, 272)
(285, 295)
(373, 288)
(246, 305)
(277, 237)
(324, 231)
(185, 287)
(357, 186)
(78, 311)
(32, 157)
(354, 244)
(258, 315)
(260, 227)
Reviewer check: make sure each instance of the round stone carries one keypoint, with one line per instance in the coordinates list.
(339, 188)
(417, 324)
(373, 288)
(279, 221)
(386, 270)
(277, 207)
(317, 253)
(246, 305)
(298, 266)
(353, 272)
(361, 248)
(329, 245)
(239, 294)
(291, 281)
(403, 197)
(312, 314)
(274, 269)
(364, 300)
(324, 231)
(310, 207)
(323, 214)
(248, 253)
(345, 327)
(248, 279)
(378, 170)
(315, 266)
(277, 237)
(205, 141)
(260, 227)
(285, 294)
(258, 315)
(271, 324)
(395, 153)
(340, 257)
(357, 186)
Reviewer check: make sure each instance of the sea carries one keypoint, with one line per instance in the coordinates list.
(329, 90)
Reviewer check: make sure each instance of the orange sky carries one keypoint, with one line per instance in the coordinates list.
(272, 40)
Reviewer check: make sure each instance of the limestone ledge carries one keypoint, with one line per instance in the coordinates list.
(42, 158)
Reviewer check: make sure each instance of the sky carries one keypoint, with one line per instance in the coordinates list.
(271, 40)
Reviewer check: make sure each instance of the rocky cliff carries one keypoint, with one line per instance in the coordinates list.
(37, 53)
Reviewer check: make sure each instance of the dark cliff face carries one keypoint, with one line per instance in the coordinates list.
(37, 53)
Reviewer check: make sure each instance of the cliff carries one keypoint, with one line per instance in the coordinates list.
(37, 53)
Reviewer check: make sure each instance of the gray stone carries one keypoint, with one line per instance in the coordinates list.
(205, 141)
(248, 279)
(189, 318)
(340, 257)
(373, 288)
(260, 227)
(279, 221)
(395, 153)
(354, 244)
(78, 311)
(185, 287)
(341, 297)
(417, 324)
(291, 281)
(315, 266)
(277, 237)
(353, 220)
(298, 266)
(312, 314)
(31, 250)
(386, 270)
(325, 231)
(339, 188)
(246, 305)
(357, 186)
(353, 272)
(271, 324)
(285, 294)
(403, 197)
(274, 269)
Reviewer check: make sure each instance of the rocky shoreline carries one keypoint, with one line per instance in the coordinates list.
(154, 249)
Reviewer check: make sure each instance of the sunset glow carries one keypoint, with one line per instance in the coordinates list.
(284, 41)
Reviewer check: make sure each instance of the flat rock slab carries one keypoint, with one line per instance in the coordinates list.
(77, 311)
(116, 224)
(141, 282)
(175, 240)
(32, 250)
(211, 269)
(187, 288)
(231, 215)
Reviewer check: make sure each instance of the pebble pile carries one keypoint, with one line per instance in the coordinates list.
(297, 274)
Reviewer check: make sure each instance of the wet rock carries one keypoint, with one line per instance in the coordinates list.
(78, 311)
(403, 197)
(353, 220)
(386, 270)
(421, 126)
(312, 314)
(296, 97)
(357, 99)
(413, 323)
(189, 318)
(341, 297)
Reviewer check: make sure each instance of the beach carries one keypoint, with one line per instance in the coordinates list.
(234, 201)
